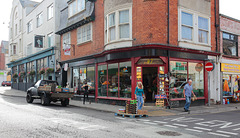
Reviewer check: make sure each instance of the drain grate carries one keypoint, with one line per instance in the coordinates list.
(169, 133)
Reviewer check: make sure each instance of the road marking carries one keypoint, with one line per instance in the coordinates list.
(144, 120)
(193, 130)
(236, 129)
(160, 122)
(171, 126)
(202, 128)
(218, 134)
(181, 125)
(151, 123)
(225, 132)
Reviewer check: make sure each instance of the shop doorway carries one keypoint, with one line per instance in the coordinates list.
(150, 83)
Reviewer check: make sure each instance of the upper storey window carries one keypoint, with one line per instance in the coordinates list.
(118, 25)
(194, 27)
(230, 44)
(75, 7)
(50, 12)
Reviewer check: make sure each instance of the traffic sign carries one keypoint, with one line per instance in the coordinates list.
(209, 66)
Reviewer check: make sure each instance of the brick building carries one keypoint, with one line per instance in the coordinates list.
(230, 64)
(113, 44)
(3, 69)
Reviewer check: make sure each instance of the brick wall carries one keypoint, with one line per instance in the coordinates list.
(97, 43)
(2, 59)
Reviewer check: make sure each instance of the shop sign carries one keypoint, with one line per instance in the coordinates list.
(139, 73)
(149, 61)
(38, 40)
(230, 67)
(199, 67)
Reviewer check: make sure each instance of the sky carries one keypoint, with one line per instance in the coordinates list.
(227, 7)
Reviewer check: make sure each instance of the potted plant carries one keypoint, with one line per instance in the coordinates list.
(22, 74)
(49, 70)
(32, 72)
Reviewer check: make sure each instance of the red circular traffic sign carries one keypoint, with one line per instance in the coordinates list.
(209, 66)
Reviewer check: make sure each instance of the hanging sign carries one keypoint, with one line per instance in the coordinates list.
(38, 40)
(67, 49)
(199, 67)
(139, 73)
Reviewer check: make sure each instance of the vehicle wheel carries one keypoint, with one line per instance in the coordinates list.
(5, 85)
(45, 100)
(29, 98)
(65, 102)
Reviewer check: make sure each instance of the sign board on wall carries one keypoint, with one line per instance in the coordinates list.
(230, 68)
(38, 40)
(67, 49)
(139, 73)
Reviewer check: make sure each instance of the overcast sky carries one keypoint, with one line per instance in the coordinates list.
(227, 7)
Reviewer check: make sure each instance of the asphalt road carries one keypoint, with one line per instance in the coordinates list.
(20, 119)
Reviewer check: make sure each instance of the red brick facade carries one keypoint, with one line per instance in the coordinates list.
(2, 59)
(149, 25)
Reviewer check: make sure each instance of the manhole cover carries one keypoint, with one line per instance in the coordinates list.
(169, 133)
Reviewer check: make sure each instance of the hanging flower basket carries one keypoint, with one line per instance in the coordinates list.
(42, 71)
(15, 75)
(49, 70)
(9, 73)
(22, 74)
(32, 72)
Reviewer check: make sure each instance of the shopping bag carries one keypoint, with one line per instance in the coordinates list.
(194, 98)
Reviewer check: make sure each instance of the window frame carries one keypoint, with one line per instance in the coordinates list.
(235, 41)
(29, 28)
(39, 19)
(52, 39)
(63, 41)
(76, 8)
(52, 12)
(80, 41)
(117, 26)
(195, 31)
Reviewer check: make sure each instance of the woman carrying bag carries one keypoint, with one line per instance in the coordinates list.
(139, 95)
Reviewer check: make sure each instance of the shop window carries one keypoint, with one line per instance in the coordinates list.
(113, 80)
(230, 44)
(14, 70)
(196, 75)
(231, 86)
(102, 80)
(21, 69)
(91, 78)
(178, 78)
(75, 78)
(83, 77)
(125, 79)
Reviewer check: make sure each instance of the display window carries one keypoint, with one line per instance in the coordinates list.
(230, 85)
(114, 80)
(181, 72)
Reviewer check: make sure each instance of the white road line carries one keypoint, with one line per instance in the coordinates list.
(225, 132)
(218, 134)
(120, 117)
(181, 125)
(160, 122)
(171, 126)
(144, 120)
(151, 123)
(202, 128)
(193, 130)
(236, 129)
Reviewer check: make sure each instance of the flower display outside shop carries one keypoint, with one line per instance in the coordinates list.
(22, 74)
(42, 71)
(32, 72)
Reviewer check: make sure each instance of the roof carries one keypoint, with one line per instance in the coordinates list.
(231, 18)
(28, 3)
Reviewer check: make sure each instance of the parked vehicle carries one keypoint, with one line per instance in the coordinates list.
(46, 91)
(6, 83)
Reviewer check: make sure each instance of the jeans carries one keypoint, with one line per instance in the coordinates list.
(140, 102)
(188, 102)
(84, 97)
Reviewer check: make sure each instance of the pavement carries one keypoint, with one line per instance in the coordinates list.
(152, 110)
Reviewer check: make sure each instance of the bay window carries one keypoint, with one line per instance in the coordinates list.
(117, 25)
(194, 27)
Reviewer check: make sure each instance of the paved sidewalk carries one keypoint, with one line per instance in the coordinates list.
(152, 110)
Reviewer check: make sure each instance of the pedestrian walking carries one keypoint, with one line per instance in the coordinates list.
(86, 91)
(187, 92)
(139, 95)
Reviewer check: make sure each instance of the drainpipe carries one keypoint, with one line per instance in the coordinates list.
(216, 25)
(168, 33)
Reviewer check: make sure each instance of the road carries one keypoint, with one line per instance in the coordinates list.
(20, 119)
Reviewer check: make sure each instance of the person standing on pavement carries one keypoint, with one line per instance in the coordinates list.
(188, 90)
(139, 95)
(86, 91)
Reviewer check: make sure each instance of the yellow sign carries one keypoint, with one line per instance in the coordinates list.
(230, 67)
(139, 73)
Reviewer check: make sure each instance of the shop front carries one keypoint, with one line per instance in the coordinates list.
(230, 83)
(113, 76)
